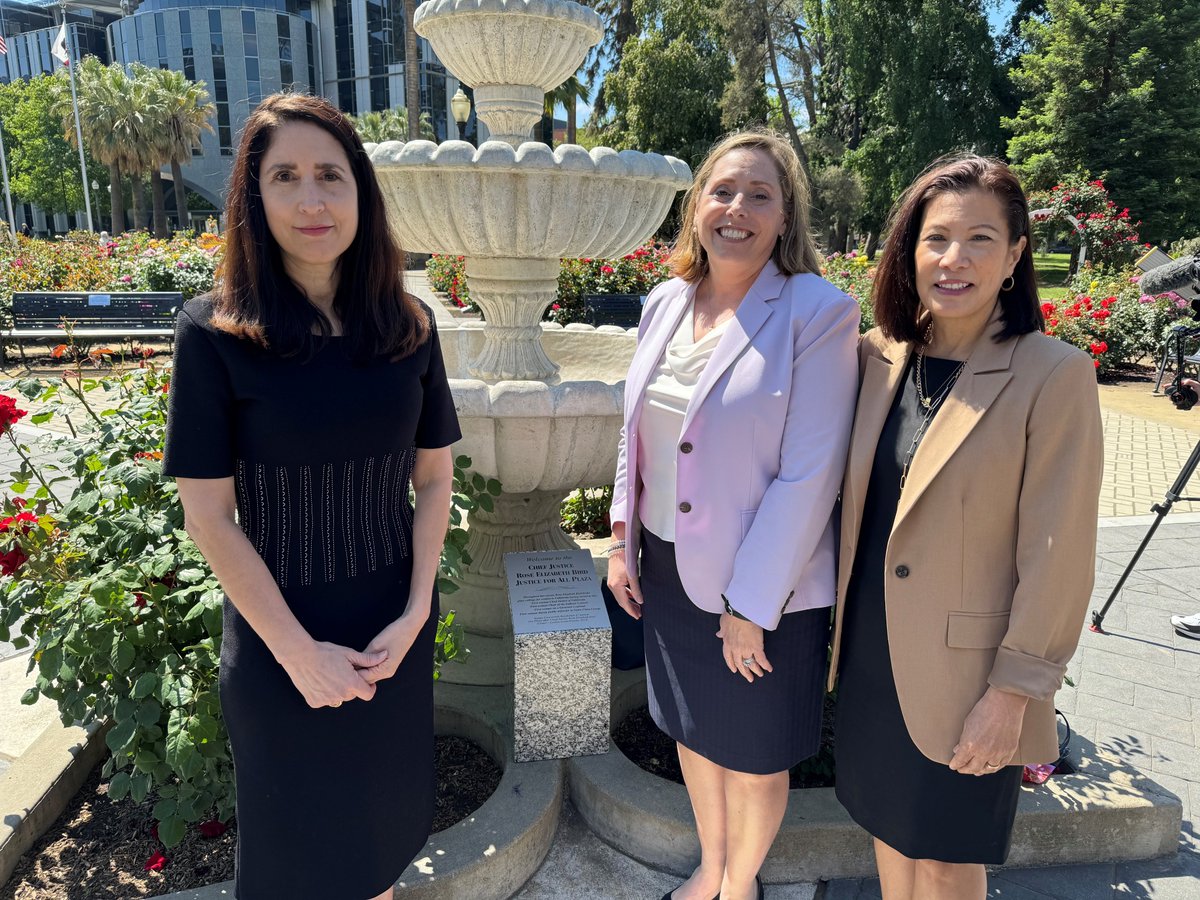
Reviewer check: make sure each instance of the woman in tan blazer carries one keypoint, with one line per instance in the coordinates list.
(967, 538)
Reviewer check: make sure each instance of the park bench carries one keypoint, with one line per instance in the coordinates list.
(624, 310)
(126, 315)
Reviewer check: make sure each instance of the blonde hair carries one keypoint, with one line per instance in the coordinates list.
(795, 251)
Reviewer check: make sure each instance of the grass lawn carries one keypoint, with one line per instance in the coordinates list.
(1053, 273)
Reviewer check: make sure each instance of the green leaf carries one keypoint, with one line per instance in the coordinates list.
(164, 809)
(171, 831)
(139, 787)
(41, 418)
(123, 656)
(146, 685)
(30, 697)
(120, 736)
(118, 788)
(150, 710)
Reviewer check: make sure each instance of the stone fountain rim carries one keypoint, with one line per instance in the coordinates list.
(557, 10)
(531, 158)
(510, 399)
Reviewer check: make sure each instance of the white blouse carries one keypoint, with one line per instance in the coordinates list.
(661, 424)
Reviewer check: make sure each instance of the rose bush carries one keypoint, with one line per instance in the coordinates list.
(1109, 234)
(127, 262)
(119, 606)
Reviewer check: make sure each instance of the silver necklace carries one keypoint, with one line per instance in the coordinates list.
(930, 403)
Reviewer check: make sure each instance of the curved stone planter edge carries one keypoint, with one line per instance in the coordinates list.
(494, 851)
(41, 782)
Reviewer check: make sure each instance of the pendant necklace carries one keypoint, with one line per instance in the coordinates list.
(930, 403)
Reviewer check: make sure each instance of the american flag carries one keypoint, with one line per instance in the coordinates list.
(3, 45)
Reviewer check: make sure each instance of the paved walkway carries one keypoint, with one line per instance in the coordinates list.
(1135, 701)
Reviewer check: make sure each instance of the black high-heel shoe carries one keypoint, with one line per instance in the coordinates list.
(667, 895)
(757, 881)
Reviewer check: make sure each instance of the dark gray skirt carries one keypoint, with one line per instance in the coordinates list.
(762, 727)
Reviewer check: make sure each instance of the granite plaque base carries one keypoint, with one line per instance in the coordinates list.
(562, 644)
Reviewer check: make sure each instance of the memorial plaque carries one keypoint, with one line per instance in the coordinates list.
(554, 591)
(562, 643)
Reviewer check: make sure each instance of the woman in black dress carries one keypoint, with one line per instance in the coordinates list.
(968, 536)
(308, 394)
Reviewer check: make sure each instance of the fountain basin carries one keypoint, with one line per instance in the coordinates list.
(486, 41)
(529, 202)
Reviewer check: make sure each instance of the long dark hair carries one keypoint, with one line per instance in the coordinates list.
(894, 297)
(255, 299)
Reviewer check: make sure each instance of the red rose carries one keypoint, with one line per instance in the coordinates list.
(9, 414)
(212, 829)
(155, 862)
(11, 561)
(1097, 362)
(139, 600)
(607, 270)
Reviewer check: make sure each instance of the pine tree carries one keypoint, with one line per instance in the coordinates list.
(1112, 87)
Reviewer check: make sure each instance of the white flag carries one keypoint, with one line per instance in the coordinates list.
(59, 50)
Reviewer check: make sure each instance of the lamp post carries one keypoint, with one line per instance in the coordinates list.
(460, 107)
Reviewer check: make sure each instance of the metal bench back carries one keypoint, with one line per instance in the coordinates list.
(132, 310)
(624, 310)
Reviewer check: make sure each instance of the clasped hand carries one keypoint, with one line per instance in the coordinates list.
(329, 674)
(743, 647)
(990, 734)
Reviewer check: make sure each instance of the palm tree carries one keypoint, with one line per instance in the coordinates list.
(412, 72)
(103, 104)
(390, 125)
(189, 115)
(567, 93)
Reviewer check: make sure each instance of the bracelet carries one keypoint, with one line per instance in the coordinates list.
(731, 611)
(613, 547)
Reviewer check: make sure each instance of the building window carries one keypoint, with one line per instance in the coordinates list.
(250, 41)
(312, 60)
(189, 50)
(220, 85)
(287, 77)
(160, 31)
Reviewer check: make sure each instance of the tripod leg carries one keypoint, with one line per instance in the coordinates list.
(1162, 365)
(1160, 510)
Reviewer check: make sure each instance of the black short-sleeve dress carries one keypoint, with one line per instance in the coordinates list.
(332, 803)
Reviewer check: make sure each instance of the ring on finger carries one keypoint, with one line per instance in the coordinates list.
(748, 661)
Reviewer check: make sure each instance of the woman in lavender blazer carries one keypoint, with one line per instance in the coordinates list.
(738, 407)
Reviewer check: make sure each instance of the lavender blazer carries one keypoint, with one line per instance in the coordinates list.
(763, 446)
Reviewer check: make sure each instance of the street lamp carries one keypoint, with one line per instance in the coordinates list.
(460, 107)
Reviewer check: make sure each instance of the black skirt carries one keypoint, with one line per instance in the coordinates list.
(916, 806)
(762, 727)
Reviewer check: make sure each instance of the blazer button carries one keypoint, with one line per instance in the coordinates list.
(901, 571)
(685, 447)
(685, 507)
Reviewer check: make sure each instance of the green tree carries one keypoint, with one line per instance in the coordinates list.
(390, 125)
(744, 101)
(665, 95)
(101, 102)
(1111, 87)
(188, 114)
(43, 165)
(901, 84)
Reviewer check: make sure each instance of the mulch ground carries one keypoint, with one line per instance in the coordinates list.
(99, 849)
(647, 747)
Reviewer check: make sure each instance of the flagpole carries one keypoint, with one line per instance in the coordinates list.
(12, 225)
(87, 194)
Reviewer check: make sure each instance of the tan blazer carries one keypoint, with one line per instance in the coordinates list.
(991, 559)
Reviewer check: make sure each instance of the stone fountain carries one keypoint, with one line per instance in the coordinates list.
(540, 406)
